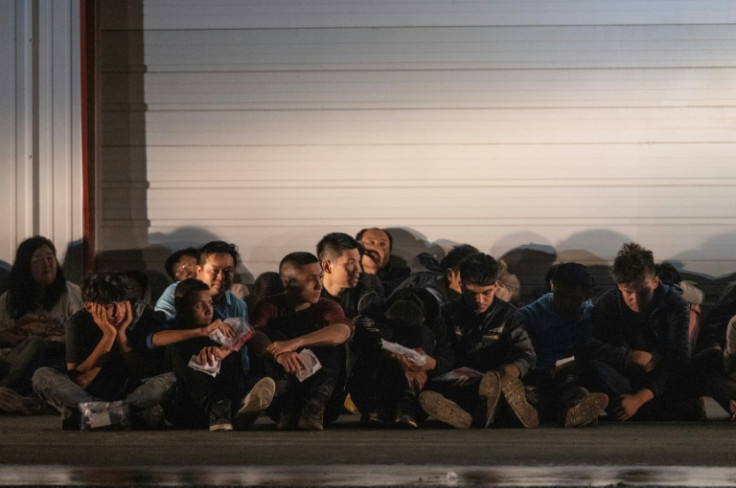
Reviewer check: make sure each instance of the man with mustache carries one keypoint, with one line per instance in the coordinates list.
(377, 259)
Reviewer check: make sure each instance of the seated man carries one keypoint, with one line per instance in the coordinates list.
(556, 324)
(182, 264)
(441, 279)
(188, 337)
(297, 319)
(385, 384)
(215, 266)
(378, 260)
(639, 348)
(107, 358)
(339, 255)
(489, 343)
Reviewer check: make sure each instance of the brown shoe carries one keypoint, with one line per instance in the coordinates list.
(587, 411)
(445, 410)
(13, 402)
(515, 394)
(489, 391)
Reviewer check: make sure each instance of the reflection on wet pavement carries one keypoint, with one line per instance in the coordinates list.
(369, 475)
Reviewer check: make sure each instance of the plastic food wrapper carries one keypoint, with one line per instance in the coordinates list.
(104, 415)
(418, 358)
(243, 333)
(311, 363)
(459, 373)
(207, 368)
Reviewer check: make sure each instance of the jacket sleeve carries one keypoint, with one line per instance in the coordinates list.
(672, 323)
(522, 354)
(443, 352)
(604, 339)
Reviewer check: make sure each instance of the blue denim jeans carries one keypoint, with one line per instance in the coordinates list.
(58, 390)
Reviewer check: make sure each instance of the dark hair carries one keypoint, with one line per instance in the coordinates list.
(296, 260)
(106, 287)
(138, 277)
(267, 285)
(478, 269)
(668, 273)
(175, 257)
(457, 254)
(20, 294)
(572, 275)
(217, 247)
(183, 294)
(633, 263)
(359, 235)
(336, 243)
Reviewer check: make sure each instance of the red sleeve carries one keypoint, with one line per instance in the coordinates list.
(264, 313)
(332, 313)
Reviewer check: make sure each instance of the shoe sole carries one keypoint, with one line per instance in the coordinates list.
(255, 402)
(302, 425)
(445, 410)
(489, 392)
(221, 428)
(515, 394)
(587, 411)
(13, 402)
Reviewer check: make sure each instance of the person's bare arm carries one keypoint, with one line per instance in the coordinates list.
(85, 372)
(330, 335)
(172, 336)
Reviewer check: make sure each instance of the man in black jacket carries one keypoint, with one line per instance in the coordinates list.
(489, 343)
(639, 348)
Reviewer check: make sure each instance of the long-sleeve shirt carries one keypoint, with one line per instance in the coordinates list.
(554, 336)
(489, 340)
(660, 330)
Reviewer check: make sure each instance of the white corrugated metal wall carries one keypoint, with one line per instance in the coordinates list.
(40, 127)
(565, 123)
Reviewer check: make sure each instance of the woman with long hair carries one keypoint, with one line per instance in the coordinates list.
(32, 316)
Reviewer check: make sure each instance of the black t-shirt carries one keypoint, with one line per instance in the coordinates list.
(121, 372)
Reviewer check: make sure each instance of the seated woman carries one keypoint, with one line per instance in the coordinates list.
(32, 316)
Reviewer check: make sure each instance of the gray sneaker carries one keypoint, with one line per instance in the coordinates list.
(489, 391)
(586, 412)
(254, 403)
(445, 410)
(515, 394)
(13, 402)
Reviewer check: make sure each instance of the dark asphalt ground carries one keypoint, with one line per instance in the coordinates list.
(35, 451)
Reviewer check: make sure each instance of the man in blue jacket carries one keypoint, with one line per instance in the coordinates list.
(556, 324)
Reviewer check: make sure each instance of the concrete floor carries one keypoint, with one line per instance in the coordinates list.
(35, 451)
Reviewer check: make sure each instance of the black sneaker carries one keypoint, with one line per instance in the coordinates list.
(71, 418)
(406, 412)
(219, 416)
(254, 403)
(153, 417)
(288, 418)
(312, 416)
(372, 418)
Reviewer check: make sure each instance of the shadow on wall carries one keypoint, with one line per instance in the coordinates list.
(530, 262)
